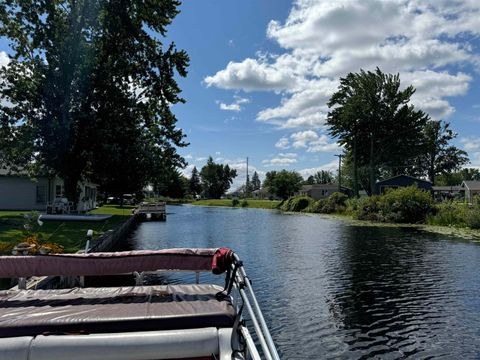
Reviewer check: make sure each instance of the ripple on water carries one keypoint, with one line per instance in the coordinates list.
(331, 290)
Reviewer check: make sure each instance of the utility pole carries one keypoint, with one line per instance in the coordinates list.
(339, 172)
(247, 185)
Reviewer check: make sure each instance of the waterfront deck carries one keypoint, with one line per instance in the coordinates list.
(151, 211)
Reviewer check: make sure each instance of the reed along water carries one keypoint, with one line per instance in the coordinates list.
(329, 289)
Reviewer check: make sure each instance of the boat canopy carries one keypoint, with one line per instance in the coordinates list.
(111, 263)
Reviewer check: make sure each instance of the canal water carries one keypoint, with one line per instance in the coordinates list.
(333, 290)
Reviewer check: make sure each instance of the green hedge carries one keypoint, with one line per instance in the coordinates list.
(296, 203)
(335, 203)
(402, 205)
(456, 214)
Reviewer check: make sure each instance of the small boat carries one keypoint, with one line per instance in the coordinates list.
(186, 321)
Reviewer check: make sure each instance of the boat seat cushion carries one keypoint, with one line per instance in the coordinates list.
(116, 309)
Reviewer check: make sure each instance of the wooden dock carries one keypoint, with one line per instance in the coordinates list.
(151, 211)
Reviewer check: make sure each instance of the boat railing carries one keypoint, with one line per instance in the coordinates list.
(243, 285)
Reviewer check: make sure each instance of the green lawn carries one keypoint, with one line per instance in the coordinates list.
(114, 210)
(258, 204)
(70, 234)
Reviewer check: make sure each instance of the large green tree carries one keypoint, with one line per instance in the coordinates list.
(323, 177)
(216, 179)
(457, 177)
(171, 183)
(89, 89)
(374, 120)
(255, 184)
(439, 156)
(195, 186)
(283, 183)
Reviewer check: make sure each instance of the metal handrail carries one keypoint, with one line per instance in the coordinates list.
(241, 281)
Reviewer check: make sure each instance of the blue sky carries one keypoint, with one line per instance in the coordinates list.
(262, 70)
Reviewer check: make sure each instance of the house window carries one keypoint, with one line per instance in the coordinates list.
(41, 194)
(58, 191)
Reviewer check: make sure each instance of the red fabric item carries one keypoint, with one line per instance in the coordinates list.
(222, 259)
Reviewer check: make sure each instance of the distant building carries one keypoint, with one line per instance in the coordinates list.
(19, 192)
(443, 193)
(472, 189)
(320, 191)
(264, 194)
(401, 181)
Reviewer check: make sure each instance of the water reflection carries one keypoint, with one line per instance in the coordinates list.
(330, 290)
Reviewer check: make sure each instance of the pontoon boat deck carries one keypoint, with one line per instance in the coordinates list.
(188, 321)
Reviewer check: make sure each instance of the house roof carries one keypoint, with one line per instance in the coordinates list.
(447, 188)
(404, 176)
(471, 185)
(322, 186)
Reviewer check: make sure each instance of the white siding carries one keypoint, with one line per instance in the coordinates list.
(20, 193)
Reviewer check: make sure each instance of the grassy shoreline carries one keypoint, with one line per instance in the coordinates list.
(253, 204)
(464, 233)
(70, 234)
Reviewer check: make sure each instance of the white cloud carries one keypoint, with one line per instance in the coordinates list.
(4, 60)
(301, 138)
(331, 166)
(431, 87)
(470, 143)
(282, 143)
(283, 159)
(187, 172)
(288, 155)
(241, 166)
(235, 106)
(250, 75)
(475, 160)
(324, 40)
(313, 142)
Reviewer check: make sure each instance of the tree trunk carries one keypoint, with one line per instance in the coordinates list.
(71, 188)
(371, 165)
(355, 174)
(432, 171)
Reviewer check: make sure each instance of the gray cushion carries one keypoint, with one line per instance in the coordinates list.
(100, 310)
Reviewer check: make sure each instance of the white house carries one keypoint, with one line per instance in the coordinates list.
(472, 188)
(320, 191)
(19, 192)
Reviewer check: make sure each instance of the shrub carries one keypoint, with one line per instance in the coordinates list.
(316, 207)
(351, 206)
(448, 214)
(335, 203)
(235, 202)
(368, 208)
(406, 205)
(296, 203)
(244, 203)
(456, 214)
(472, 218)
